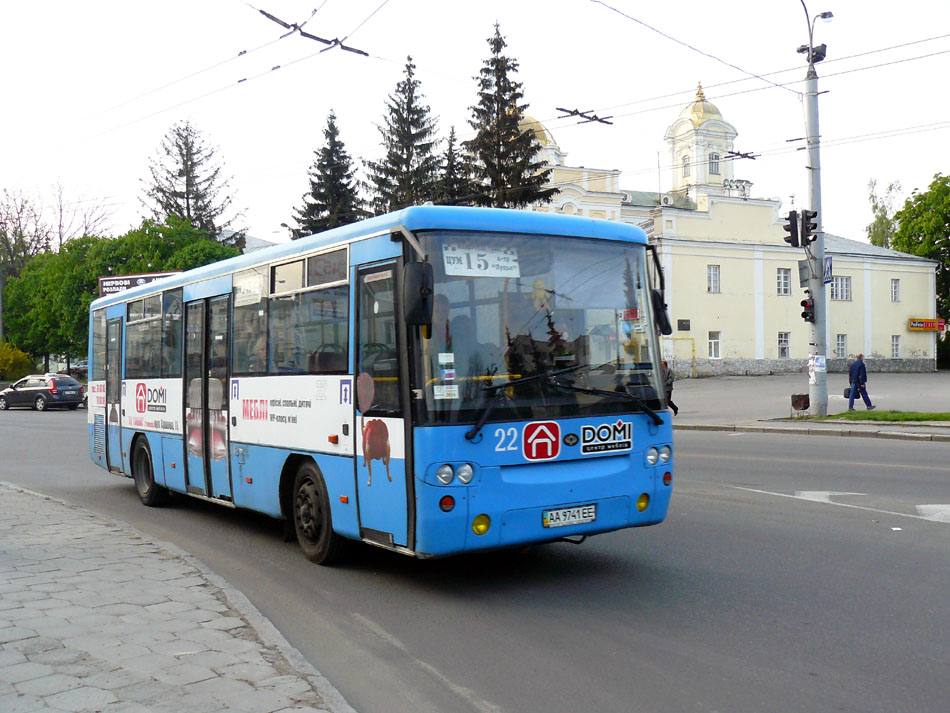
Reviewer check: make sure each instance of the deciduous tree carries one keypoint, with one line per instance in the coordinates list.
(881, 228)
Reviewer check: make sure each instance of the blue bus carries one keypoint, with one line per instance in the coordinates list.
(433, 381)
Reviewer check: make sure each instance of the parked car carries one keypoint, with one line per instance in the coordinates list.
(80, 369)
(43, 391)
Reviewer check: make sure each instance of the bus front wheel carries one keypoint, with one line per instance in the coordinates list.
(150, 492)
(312, 519)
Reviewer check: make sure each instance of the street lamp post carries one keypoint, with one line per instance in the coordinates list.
(818, 357)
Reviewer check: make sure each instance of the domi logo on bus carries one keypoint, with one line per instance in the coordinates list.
(150, 399)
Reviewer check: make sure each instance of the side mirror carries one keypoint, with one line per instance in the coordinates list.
(417, 289)
(659, 311)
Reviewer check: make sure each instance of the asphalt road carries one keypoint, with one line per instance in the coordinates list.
(761, 592)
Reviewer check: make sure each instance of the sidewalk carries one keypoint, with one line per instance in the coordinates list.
(763, 404)
(95, 616)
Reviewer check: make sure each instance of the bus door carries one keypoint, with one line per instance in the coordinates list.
(114, 395)
(206, 397)
(384, 490)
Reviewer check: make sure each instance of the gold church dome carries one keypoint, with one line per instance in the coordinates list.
(543, 136)
(700, 110)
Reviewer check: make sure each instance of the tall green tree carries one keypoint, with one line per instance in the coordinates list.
(924, 230)
(881, 228)
(407, 173)
(455, 185)
(506, 165)
(187, 182)
(333, 198)
(48, 303)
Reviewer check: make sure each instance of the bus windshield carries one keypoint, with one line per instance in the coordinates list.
(566, 320)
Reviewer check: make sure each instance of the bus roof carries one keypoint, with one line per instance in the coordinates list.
(414, 218)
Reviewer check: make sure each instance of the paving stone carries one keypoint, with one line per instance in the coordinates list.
(15, 633)
(8, 658)
(223, 688)
(225, 623)
(116, 678)
(62, 655)
(48, 685)
(183, 674)
(84, 698)
(35, 645)
(19, 703)
(252, 672)
(24, 672)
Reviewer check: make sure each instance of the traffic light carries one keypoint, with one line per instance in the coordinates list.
(792, 227)
(809, 226)
(808, 308)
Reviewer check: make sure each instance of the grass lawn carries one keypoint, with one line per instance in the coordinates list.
(876, 415)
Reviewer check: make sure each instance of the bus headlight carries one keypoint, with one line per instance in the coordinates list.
(653, 455)
(665, 454)
(465, 473)
(445, 474)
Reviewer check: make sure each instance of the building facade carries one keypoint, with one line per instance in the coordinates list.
(733, 285)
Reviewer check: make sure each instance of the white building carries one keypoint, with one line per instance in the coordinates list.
(733, 282)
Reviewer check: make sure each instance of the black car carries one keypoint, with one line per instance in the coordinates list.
(43, 391)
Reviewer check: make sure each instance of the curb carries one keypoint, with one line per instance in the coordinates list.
(262, 626)
(812, 431)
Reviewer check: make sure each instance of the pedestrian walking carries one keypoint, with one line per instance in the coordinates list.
(668, 387)
(858, 377)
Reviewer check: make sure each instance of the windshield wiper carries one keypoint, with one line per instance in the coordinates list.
(497, 391)
(657, 419)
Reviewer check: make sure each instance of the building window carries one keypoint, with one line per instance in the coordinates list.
(841, 288)
(714, 163)
(841, 346)
(714, 342)
(712, 278)
(784, 281)
(895, 290)
(783, 345)
(895, 346)
(685, 166)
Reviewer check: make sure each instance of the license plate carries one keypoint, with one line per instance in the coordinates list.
(569, 516)
(69, 393)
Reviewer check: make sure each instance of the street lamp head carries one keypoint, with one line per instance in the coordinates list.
(826, 16)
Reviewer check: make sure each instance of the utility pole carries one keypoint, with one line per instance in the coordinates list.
(818, 353)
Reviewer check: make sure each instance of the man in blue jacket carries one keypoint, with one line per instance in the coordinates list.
(858, 376)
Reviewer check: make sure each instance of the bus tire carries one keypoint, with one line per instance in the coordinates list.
(150, 493)
(312, 520)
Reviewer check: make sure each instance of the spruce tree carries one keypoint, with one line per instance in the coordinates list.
(187, 182)
(506, 168)
(455, 185)
(332, 199)
(408, 171)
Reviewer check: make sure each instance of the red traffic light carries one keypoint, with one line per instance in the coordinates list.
(808, 309)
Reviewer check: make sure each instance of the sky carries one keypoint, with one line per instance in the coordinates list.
(90, 90)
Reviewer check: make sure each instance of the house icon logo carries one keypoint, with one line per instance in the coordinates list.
(541, 440)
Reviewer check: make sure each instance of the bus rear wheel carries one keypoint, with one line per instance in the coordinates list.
(312, 519)
(150, 493)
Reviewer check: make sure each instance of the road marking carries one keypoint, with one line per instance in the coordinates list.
(820, 496)
(937, 513)
(941, 514)
(680, 454)
(466, 694)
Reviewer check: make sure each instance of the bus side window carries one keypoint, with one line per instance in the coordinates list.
(378, 351)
